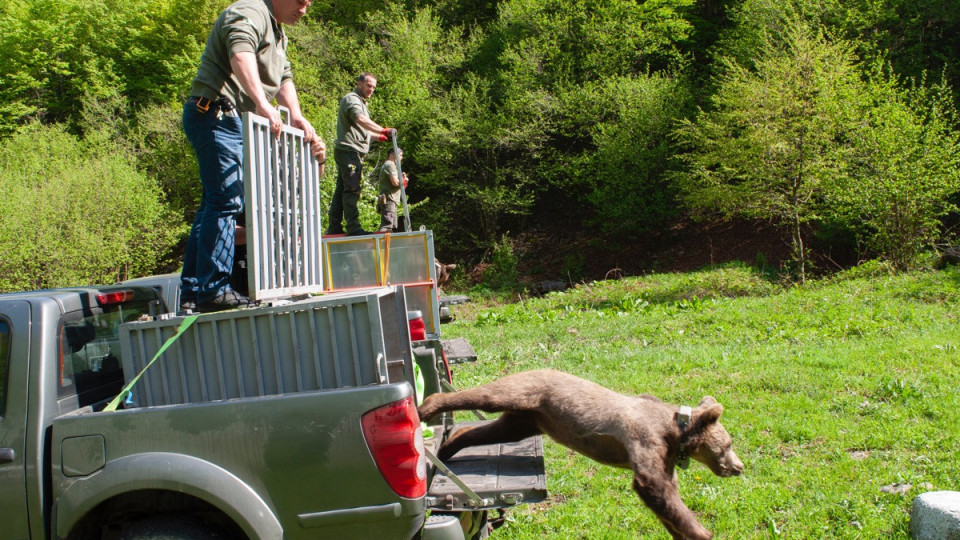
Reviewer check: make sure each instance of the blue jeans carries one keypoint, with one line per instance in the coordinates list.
(208, 261)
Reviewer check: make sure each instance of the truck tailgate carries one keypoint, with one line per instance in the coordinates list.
(502, 474)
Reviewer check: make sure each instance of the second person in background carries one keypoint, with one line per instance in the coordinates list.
(390, 192)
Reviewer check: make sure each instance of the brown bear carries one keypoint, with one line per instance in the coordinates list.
(639, 433)
(443, 272)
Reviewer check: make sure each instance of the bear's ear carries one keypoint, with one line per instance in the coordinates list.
(707, 400)
(710, 413)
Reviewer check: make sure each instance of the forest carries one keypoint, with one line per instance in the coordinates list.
(835, 121)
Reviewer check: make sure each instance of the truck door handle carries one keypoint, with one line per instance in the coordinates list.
(7, 455)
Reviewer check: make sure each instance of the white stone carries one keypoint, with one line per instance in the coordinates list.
(936, 516)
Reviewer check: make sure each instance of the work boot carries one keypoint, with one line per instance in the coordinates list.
(188, 304)
(226, 299)
(358, 232)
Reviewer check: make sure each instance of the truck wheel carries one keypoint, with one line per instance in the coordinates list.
(169, 528)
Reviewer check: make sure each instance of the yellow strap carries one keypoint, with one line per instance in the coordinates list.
(385, 260)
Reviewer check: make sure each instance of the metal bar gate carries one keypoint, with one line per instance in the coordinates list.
(281, 183)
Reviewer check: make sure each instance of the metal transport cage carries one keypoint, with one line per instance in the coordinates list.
(406, 258)
(334, 341)
(281, 182)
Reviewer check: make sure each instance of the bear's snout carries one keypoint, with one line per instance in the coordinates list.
(730, 465)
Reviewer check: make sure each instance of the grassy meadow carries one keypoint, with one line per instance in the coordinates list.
(832, 391)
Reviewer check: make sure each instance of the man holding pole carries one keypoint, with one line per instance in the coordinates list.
(354, 132)
(243, 68)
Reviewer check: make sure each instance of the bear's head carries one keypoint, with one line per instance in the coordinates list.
(709, 443)
(443, 272)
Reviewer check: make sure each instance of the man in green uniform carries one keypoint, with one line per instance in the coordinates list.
(389, 196)
(244, 67)
(355, 129)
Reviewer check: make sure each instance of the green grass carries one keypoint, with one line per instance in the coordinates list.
(832, 390)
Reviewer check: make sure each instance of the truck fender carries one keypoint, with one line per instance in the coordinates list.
(170, 472)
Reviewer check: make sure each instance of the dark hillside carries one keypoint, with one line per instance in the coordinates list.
(553, 251)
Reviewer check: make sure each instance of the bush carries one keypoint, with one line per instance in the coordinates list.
(76, 212)
(502, 272)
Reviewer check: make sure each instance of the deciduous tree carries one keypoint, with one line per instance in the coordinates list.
(770, 140)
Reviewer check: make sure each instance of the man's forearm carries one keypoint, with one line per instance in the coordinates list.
(244, 65)
(366, 123)
(287, 96)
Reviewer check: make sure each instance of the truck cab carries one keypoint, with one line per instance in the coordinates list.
(72, 335)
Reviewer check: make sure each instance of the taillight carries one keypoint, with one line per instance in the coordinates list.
(114, 297)
(395, 439)
(418, 330)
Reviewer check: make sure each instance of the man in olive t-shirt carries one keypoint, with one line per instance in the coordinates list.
(243, 68)
(354, 131)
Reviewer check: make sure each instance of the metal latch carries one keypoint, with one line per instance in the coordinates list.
(511, 498)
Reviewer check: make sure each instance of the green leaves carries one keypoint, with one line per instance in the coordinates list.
(75, 212)
(771, 138)
(902, 167)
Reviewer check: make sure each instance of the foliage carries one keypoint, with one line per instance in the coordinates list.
(502, 272)
(903, 168)
(75, 212)
(59, 53)
(771, 139)
(164, 154)
(628, 121)
(832, 390)
(515, 110)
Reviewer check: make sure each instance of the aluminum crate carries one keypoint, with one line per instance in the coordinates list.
(335, 341)
(354, 262)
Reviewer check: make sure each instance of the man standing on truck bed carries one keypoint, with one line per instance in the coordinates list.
(354, 130)
(244, 67)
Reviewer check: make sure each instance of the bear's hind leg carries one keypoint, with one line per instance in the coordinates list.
(510, 427)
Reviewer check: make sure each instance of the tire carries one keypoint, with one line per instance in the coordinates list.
(169, 528)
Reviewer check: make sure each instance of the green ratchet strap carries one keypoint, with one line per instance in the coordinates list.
(112, 406)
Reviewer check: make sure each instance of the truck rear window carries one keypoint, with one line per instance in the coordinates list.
(91, 366)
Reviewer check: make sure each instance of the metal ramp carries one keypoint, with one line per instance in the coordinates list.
(502, 474)
(281, 183)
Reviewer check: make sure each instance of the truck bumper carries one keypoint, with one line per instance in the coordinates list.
(442, 528)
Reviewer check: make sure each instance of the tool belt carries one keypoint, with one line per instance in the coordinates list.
(222, 106)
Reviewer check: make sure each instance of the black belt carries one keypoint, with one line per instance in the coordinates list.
(221, 105)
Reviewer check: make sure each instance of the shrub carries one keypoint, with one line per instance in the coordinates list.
(76, 212)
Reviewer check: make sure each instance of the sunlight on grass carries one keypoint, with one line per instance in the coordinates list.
(831, 391)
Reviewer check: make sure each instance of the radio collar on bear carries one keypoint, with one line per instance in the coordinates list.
(683, 420)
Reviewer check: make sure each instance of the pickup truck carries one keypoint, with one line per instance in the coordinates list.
(337, 462)
(293, 419)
